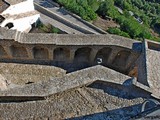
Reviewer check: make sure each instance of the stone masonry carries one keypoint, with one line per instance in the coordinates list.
(76, 77)
(45, 86)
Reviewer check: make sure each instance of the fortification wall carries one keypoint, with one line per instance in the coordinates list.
(61, 19)
(74, 103)
(66, 39)
(70, 81)
(153, 67)
(116, 52)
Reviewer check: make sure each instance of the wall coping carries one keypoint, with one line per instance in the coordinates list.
(66, 39)
(69, 81)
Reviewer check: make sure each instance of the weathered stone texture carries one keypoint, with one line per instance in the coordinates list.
(71, 80)
(69, 104)
(66, 39)
(142, 68)
(21, 74)
(153, 70)
(56, 95)
(13, 2)
(3, 83)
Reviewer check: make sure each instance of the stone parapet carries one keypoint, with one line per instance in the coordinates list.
(70, 81)
(65, 39)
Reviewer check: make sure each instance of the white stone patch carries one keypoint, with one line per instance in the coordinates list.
(25, 19)
(22, 7)
(3, 83)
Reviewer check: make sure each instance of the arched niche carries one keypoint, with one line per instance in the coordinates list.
(82, 54)
(2, 52)
(40, 53)
(61, 54)
(121, 58)
(18, 51)
(103, 55)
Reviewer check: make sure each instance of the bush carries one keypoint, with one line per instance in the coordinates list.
(107, 8)
(81, 8)
(55, 30)
(48, 28)
(117, 31)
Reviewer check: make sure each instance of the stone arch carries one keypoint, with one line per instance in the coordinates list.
(103, 54)
(2, 51)
(61, 54)
(40, 53)
(18, 51)
(82, 54)
(121, 58)
(9, 25)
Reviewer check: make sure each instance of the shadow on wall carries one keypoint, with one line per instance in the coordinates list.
(2, 51)
(137, 46)
(40, 53)
(122, 91)
(104, 54)
(124, 113)
(18, 51)
(153, 46)
(114, 57)
(82, 55)
(46, 4)
(121, 58)
(61, 54)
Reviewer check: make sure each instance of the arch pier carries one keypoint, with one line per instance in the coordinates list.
(71, 57)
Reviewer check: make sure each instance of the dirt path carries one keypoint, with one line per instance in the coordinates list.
(104, 24)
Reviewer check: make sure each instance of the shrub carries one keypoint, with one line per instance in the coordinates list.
(118, 32)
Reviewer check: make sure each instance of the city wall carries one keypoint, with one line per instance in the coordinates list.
(115, 52)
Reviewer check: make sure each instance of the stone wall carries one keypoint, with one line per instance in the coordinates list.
(148, 68)
(142, 68)
(66, 39)
(70, 104)
(51, 48)
(115, 57)
(153, 66)
(22, 74)
(69, 81)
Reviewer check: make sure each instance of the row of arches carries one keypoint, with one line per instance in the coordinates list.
(63, 54)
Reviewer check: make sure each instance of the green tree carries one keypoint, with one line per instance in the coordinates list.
(94, 4)
(117, 31)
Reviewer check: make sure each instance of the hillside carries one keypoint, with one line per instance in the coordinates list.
(137, 19)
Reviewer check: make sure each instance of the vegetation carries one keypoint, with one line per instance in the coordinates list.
(117, 31)
(48, 28)
(146, 10)
(127, 22)
(84, 8)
